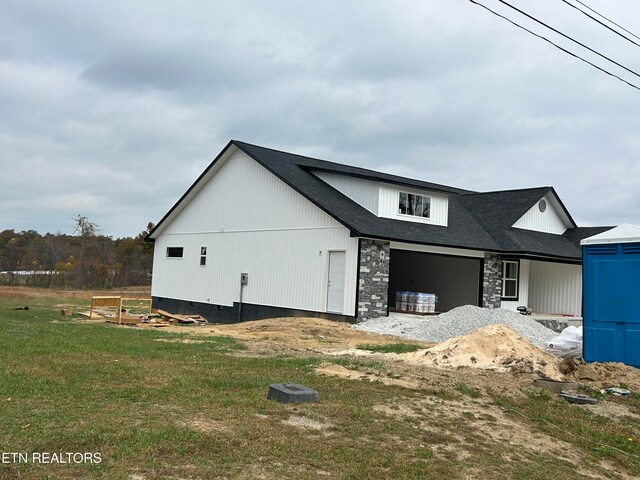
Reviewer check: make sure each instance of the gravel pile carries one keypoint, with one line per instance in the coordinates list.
(459, 321)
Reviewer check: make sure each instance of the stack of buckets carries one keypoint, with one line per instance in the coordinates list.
(416, 302)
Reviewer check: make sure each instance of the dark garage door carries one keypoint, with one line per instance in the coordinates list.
(455, 280)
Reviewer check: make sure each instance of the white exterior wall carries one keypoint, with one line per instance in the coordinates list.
(523, 288)
(549, 221)
(364, 192)
(555, 288)
(252, 222)
(388, 206)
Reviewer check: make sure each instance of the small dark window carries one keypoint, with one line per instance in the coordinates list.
(203, 256)
(414, 205)
(175, 252)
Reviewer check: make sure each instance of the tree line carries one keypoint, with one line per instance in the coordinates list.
(87, 259)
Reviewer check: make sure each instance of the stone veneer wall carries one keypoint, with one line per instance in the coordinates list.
(492, 281)
(373, 283)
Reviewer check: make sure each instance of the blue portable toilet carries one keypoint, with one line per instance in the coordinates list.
(611, 287)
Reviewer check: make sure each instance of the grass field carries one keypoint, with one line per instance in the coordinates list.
(156, 406)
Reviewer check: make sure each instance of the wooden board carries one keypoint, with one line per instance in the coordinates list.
(125, 320)
(179, 317)
(105, 301)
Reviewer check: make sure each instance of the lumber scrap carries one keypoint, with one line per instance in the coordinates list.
(91, 315)
(181, 318)
(126, 320)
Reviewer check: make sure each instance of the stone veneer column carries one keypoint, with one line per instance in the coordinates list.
(492, 281)
(373, 284)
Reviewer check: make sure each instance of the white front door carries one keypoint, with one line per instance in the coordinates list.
(335, 289)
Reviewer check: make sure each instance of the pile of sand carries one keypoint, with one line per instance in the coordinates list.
(494, 347)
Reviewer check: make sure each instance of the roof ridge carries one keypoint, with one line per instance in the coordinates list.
(511, 190)
(339, 168)
(290, 153)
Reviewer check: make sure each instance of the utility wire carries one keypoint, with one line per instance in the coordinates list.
(602, 23)
(568, 37)
(607, 19)
(556, 45)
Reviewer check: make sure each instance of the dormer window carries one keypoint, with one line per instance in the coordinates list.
(414, 205)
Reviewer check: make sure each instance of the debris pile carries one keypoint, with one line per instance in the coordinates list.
(112, 310)
(493, 347)
(601, 374)
(177, 318)
(459, 321)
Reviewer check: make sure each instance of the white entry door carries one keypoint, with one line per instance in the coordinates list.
(335, 289)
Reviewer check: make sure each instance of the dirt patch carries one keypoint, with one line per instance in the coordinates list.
(335, 370)
(315, 335)
(602, 375)
(494, 347)
(204, 425)
(486, 421)
(613, 410)
(179, 340)
(306, 423)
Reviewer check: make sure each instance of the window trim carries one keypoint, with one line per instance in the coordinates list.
(408, 215)
(175, 257)
(517, 280)
(203, 256)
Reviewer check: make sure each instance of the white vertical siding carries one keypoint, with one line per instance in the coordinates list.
(523, 288)
(549, 221)
(253, 222)
(364, 192)
(388, 206)
(555, 288)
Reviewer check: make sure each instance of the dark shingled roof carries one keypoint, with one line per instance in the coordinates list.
(575, 235)
(479, 221)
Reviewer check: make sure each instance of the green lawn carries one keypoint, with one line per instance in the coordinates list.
(159, 409)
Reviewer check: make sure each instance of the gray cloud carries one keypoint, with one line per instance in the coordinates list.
(111, 110)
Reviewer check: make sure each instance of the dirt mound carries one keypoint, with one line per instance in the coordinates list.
(494, 347)
(291, 333)
(602, 375)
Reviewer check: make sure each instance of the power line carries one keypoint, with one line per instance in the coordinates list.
(556, 45)
(568, 37)
(607, 19)
(602, 23)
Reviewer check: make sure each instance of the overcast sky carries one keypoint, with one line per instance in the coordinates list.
(112, 109)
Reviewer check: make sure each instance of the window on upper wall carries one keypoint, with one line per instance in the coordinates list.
(175, 252)
(510, 279)
(203, 256)
(414, 205)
